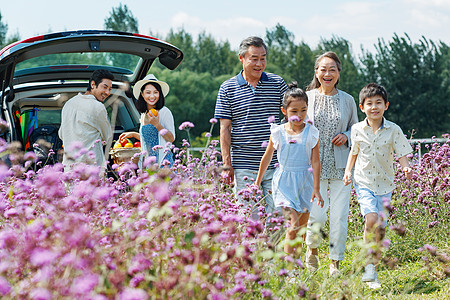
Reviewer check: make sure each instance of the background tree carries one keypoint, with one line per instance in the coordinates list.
(3, 31)
(122, 19)
(416, 76)
(4, 39)
(184, 41)
(280, 52)
(350, 80)
(214, 57)
(192, 98)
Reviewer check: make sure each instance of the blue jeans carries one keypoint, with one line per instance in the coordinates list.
(266, 184)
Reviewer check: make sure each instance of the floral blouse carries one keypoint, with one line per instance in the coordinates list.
(327, 115)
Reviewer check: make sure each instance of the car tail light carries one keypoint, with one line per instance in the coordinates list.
(145, 36)
(26, 41)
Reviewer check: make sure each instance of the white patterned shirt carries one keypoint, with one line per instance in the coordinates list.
(374, 168)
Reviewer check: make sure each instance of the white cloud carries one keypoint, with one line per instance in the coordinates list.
(434, 4)
(231, 29)
(359, 22)
(427, 19)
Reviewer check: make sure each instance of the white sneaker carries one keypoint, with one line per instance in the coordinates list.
(334, 271)
(374, 284)
(312, 261)
(369, 273)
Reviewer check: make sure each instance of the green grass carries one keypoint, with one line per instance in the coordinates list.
(410, 277)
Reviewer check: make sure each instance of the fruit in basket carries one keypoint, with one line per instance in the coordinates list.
(154, 112)
(137, 144)
(128, 145)
(117, 145)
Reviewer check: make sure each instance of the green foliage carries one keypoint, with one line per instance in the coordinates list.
(3, 31)
(4, 39)
(121, 19)
(416, 76)
(285, 58)
(205, 55)
(184, 41)
(350, 79)
(192, 98)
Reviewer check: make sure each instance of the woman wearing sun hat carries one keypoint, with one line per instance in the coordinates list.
(157, 125)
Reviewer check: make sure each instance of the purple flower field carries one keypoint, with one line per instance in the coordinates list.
(178, 233)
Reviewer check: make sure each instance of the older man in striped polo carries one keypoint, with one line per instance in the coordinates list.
(244, 105)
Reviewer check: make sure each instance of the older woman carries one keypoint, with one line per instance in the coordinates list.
(333, 112)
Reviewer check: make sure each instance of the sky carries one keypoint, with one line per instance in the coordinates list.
(362, 23)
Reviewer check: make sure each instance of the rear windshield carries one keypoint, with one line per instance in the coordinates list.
(121, 60)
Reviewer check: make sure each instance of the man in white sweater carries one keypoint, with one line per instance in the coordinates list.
(85, 123)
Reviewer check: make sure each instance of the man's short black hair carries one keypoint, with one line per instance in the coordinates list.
(98, 75)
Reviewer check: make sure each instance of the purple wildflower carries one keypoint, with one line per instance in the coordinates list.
(294, 119)
(432, 224)
(431, 249)
(186, 125)
(163, 131)
(213, 120)
(149, 161)
(5, 287)
(133, 294)
(5, 172)
(303, 289)
(265, 293)
(84, 284)
(41, 294)
(40, 257)
(271, 119)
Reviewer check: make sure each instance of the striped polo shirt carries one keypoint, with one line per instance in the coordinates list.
(249, 109)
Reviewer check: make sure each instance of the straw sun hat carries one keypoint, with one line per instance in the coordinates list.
(149, 78)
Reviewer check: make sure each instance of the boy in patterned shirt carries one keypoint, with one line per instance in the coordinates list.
(374, 142)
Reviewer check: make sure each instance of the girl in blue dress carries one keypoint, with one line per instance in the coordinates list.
(157, 125)
(294, 184)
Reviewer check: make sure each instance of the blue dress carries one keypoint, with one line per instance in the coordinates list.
(150, 138)
(293, 183)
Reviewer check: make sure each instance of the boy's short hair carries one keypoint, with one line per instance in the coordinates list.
(371, 90)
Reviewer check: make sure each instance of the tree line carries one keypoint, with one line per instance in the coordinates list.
(415, 74)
